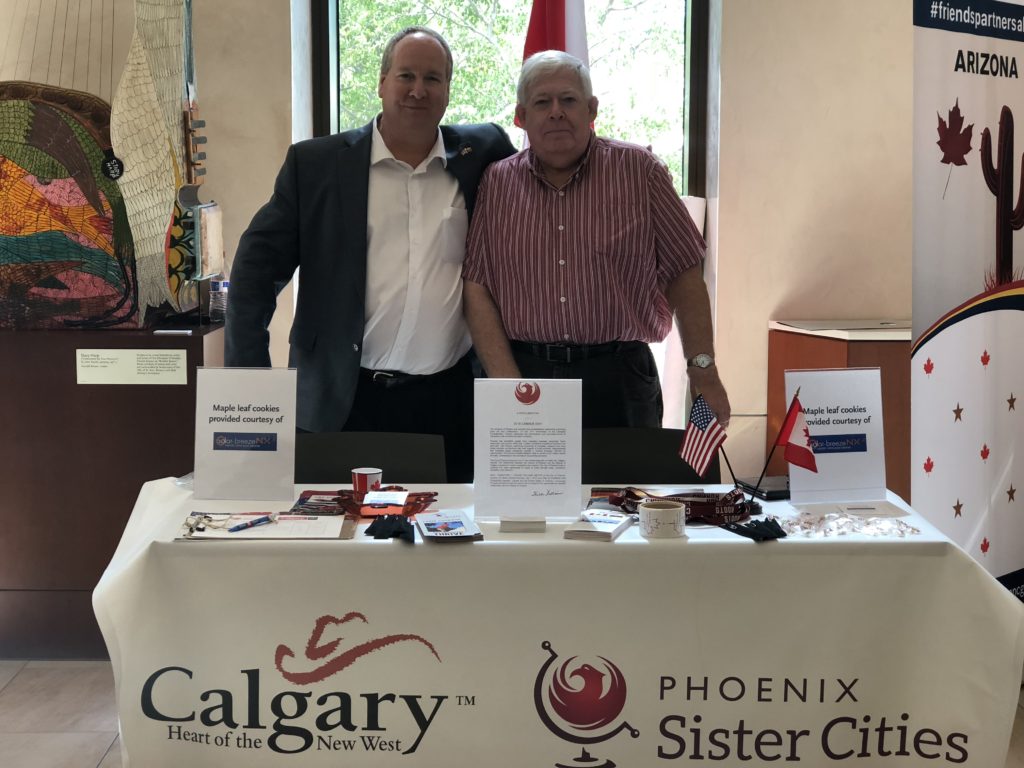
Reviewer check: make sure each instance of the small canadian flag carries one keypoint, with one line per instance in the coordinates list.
(796, 437)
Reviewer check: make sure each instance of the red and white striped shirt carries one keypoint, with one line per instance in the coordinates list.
(588, 263)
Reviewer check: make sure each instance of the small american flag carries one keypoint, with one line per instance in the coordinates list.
(703, 437)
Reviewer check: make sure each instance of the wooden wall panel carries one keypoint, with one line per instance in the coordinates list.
(73, 457)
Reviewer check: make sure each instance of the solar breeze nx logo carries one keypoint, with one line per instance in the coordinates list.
(245, 441)
(856, 443)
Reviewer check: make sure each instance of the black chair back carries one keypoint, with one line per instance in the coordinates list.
(639, 456)
(404, 457)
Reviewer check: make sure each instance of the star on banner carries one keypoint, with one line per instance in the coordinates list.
(1011, 493)
(957, 413)
(958, 508)
(1012, 402)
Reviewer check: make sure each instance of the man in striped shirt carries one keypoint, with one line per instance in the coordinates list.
(580, 252)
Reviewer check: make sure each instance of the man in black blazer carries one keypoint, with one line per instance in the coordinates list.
(376, 218)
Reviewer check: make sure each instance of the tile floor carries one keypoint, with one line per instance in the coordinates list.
(61, 714)
(58, 714)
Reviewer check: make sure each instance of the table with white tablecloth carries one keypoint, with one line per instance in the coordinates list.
(532, 650)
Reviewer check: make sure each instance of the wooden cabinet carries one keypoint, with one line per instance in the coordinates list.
(72, 459)
(794, 344)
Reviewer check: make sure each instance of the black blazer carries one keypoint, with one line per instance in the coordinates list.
(316, 220)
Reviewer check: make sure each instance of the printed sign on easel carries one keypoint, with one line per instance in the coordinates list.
(245, 433)
(843, 411)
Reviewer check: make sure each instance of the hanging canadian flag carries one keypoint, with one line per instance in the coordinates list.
(795, 437)
(557, 25)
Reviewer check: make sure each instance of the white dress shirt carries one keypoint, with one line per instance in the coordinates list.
(416, 242)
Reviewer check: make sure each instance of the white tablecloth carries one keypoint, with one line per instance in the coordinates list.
(529, 650)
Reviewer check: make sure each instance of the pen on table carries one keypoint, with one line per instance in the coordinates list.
(172, 332)
(251, 523)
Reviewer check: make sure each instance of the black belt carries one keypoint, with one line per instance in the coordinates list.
(569, 353)
(389, 379)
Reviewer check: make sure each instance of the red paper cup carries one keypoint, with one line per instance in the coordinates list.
(366, 479)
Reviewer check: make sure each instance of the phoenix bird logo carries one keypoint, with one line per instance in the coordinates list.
(527, 392)
(317, 650)
(586, 698)
(590, 705)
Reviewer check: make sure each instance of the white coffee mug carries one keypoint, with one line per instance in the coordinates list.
(662, 519)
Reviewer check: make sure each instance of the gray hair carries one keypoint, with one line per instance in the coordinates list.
(546, 63)
(389, 49)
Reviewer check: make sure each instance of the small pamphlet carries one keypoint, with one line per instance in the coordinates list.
(447, 526)
(386, 502)
(317, 503)
(598, 525)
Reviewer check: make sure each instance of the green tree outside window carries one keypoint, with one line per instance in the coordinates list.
(636, 61)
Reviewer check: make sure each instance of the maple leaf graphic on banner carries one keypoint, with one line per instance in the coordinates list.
(984, 546)
(984, 452)
(954, 140)
(929, 366)
(985, 357)
(929, 465)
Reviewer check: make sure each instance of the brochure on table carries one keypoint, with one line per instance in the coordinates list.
(245, 433)
(843, 409)
(527, 440)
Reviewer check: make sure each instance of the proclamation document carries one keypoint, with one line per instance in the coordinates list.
(527, 447)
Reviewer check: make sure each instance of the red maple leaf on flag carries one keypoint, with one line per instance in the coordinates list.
(929, 366)
(985, 358)
(984, 452)
(984, 546)
(954, 139)
(928, 465)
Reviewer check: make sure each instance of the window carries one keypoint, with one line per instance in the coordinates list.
(637, 62)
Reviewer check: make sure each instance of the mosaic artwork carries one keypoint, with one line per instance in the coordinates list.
(66, 249)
